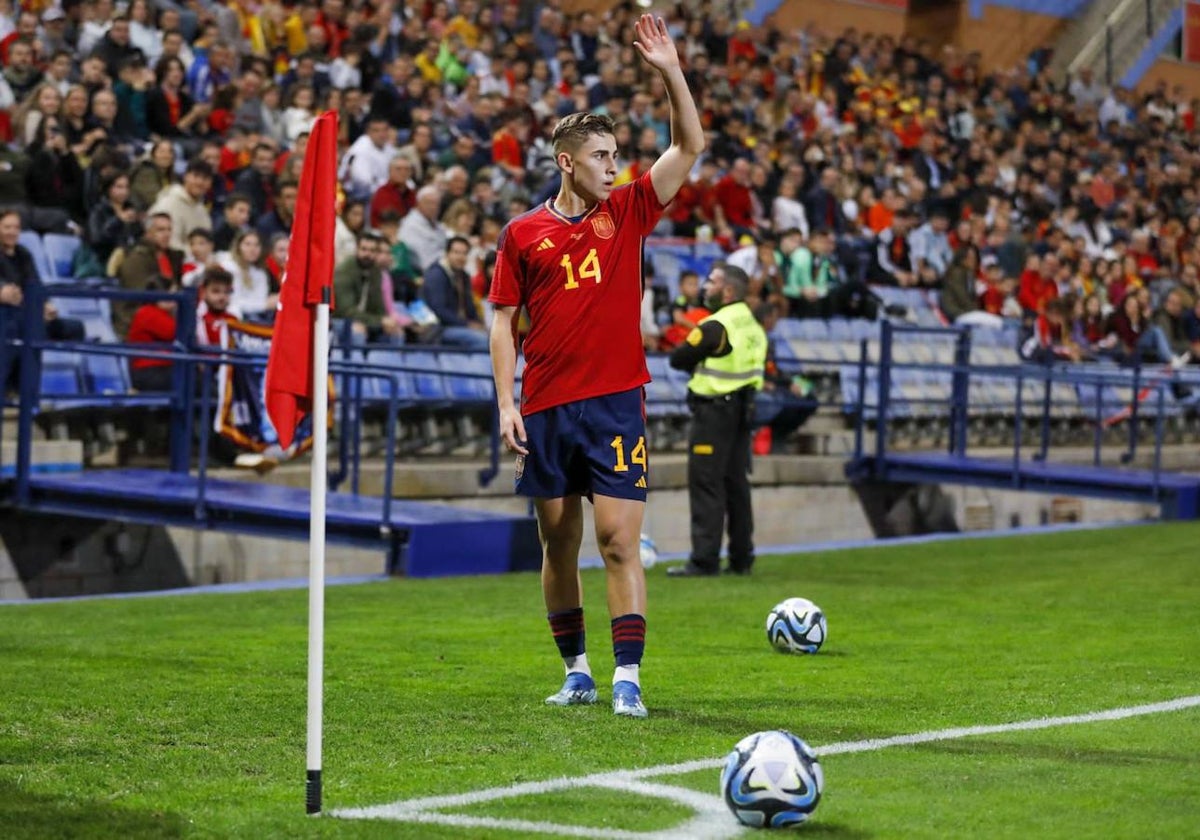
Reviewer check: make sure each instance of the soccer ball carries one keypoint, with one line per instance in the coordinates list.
(772, 780)
(648, 551)
(796, 625)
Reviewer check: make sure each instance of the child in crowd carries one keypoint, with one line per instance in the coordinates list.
(200, 251)
(687, 310)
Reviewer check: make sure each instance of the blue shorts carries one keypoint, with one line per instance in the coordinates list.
(592, 446)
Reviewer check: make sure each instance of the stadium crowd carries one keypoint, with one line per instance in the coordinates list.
(170, 137)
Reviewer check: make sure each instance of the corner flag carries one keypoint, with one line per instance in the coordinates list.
(307, 281)
(298, 381)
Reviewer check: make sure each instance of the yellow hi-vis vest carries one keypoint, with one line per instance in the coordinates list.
(743, 365)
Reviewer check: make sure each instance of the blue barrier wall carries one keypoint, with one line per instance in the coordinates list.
(1154, 48)
(1049, 8)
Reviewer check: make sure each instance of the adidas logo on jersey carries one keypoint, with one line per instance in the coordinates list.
(641, 482)
(545, 244)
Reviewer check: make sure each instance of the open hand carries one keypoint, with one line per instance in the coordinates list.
(655, 43)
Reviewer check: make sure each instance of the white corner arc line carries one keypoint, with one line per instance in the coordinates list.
(710, 821)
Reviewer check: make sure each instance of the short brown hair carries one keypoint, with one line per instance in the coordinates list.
(574, 129)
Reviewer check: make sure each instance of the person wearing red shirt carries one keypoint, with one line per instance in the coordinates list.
(574, 264)
(153, 323)
(397, 194)
(1038, 285)
(507, 144)
(734, 204)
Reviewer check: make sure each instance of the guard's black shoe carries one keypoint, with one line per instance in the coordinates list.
(730, 570)
(690, 569)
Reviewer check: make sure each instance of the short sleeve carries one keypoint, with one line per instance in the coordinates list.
(507, 275)
(638, 201)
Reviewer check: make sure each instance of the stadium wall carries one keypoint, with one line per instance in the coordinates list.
(1002, 36)
(1172, 72)
(798, 500)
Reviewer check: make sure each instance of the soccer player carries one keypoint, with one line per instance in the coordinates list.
(574, 263)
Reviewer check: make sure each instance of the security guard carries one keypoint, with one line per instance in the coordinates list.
(726, 355)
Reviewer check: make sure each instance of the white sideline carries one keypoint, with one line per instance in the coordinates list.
(711, 821)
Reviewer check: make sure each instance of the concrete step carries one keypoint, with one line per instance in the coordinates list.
(46, 456)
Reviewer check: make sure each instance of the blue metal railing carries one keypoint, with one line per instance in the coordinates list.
(24, 333)
(1085, 380)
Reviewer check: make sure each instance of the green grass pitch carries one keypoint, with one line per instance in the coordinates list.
(185, 716)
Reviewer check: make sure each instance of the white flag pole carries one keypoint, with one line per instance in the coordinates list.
(316, 553)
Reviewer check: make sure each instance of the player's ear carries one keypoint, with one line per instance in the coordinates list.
(565, 163)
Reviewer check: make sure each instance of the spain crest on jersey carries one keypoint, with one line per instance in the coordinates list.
(603, 226)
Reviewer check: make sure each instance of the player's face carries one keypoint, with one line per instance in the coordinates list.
(593, 166)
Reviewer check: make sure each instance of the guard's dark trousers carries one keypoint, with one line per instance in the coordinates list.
(718, 479)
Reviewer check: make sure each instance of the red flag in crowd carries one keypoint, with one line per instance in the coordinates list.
(309, 273)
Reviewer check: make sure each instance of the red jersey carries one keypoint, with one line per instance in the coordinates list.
(151, 325)
(581, 281)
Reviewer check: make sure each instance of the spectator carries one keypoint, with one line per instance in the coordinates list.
(734, 206)
(358, 296)
(1170, 320)
(153, 174)
(235, 218)
(153, 323)
(299, 115)
(184, 203)
(687, 311)
(1135, 339)
(398, 194)
(18, 277)
(252, 296)
(786, 210)
(212, 313)
(170, 110)
(961, 291)
(277, 257)
(115, 48)
(152, 258)
(257, 181)
(21, 75)
(114, 222)
(930, 249)
(201, 256)
(279, 219)
(420, 230)
(364, 167)
(54, 182)
(822, 206)
(43, 101)
(893, 263)
(1038, 284)
(447, 291)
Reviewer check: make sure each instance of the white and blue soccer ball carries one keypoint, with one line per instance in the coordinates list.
(648, 551)
(796, 625)
(772, 780)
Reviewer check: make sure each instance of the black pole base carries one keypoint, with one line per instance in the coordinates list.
(312, 792)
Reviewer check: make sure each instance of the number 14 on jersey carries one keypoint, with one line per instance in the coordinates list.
(589, 269)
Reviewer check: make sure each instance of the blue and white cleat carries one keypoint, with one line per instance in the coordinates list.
(627, 700)
(577, 690)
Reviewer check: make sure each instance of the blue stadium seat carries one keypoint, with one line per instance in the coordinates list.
(104, 374)
(427, 374)
(33, 243)
(376, 389)
(476, 388)
(60, 374)
(60, 253)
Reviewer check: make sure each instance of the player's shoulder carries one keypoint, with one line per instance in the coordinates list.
(522, 226)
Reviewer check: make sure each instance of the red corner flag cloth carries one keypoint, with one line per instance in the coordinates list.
(289, 386)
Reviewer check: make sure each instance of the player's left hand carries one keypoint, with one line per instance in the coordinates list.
(654, 42)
